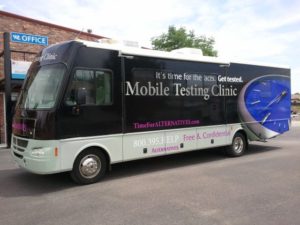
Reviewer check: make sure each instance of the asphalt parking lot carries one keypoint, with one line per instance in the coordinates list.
(202, 187)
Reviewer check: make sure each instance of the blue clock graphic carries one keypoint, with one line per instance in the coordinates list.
(264, 105)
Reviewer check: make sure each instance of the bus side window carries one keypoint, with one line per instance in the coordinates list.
(103, 81)
(96, 83)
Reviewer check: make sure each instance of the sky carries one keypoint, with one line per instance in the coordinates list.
(248, 30)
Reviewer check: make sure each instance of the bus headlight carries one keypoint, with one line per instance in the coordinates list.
(39, 152)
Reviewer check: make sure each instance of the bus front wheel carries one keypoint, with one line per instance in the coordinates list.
(89, 167)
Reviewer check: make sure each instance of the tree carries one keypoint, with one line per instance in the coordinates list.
(181, 38)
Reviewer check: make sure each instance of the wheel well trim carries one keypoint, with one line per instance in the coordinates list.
(94, 145)
(242, 131)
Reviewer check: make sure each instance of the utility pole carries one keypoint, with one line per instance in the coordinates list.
(7, 74)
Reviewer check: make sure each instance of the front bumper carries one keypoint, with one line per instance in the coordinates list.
(36, 156)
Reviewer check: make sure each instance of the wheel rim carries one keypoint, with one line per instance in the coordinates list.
(238, 145)
(90, 166)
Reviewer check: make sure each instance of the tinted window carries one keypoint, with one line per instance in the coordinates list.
(97, 85)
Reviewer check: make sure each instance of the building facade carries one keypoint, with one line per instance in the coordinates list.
(26, 52)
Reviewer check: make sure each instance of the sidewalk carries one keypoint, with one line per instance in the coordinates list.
(295, 123)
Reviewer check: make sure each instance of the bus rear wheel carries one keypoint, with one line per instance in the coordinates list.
(89, 167)
(238, 145)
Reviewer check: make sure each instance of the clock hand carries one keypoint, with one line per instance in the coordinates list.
(265, 118)
(276, 99)
(284, 93)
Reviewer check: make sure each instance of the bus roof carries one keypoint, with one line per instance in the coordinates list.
(135, 51)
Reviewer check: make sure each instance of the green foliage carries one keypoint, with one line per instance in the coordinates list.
(296, 108)
(181, 38)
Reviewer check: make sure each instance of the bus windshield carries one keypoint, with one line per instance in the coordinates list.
(42, 87)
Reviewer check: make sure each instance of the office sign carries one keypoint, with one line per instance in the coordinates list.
(19, 69)
(29, 38)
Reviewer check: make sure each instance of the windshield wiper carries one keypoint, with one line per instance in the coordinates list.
(35, 106)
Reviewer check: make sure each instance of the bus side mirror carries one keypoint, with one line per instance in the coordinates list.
(81, 96)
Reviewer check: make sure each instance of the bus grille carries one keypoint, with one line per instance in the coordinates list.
(19, 144)
(18, 155)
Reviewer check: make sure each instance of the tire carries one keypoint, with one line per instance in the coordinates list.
(238, 146)
(89, 167)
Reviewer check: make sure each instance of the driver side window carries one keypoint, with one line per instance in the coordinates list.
(96, 84)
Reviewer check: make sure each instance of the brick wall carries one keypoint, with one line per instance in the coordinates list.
(15, 23)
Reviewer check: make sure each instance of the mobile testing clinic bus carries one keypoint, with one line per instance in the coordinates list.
(86, 105)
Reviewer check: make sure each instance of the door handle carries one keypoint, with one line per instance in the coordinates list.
(75, 110)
